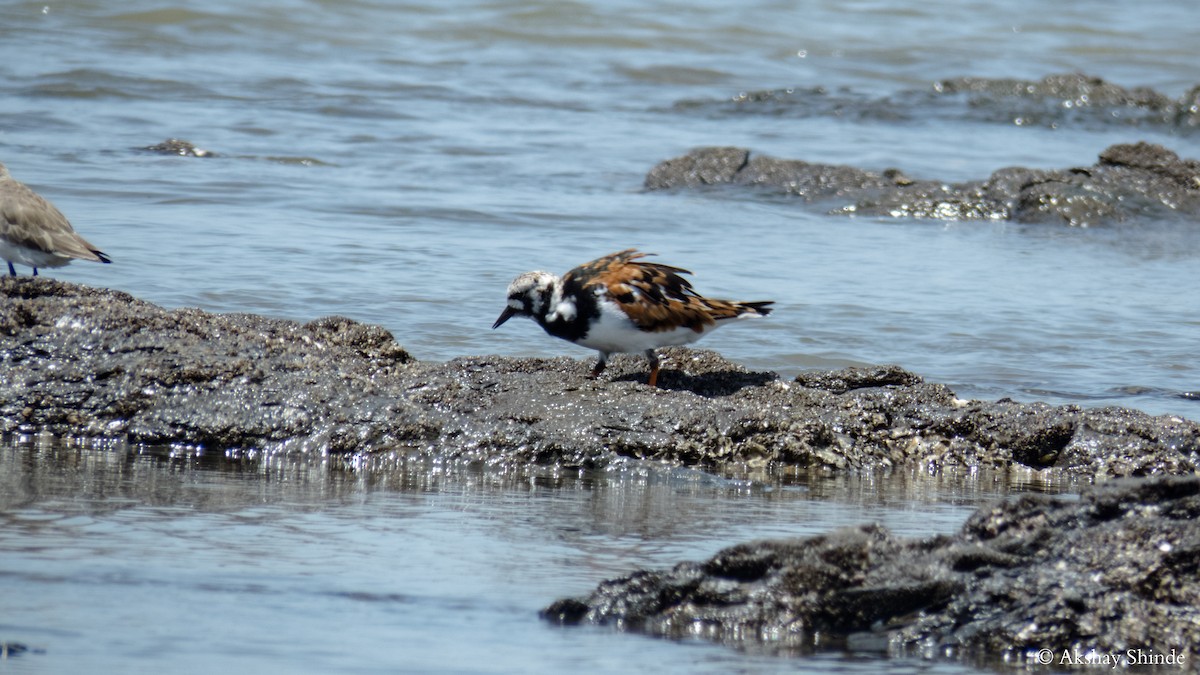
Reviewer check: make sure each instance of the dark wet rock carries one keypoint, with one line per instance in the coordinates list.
(101, 363)
(92, 363)
(1112, 571)
(1128, 181)
(1154, 159)
(8, 649)
(713, 167)
(1070, 99)
(1067, 99)
(176, 146)
(848, 379)
(1076, 89)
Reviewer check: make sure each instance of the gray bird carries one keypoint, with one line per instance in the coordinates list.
(34, 233)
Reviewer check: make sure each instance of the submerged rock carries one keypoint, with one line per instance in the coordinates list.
(178, 146)
(92, 363)
(1114, 572)
(1061, 100)
(1065, 98)
(1127, 181)
(9, 649)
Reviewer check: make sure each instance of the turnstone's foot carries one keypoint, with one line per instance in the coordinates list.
(599, 368)
(654, 363)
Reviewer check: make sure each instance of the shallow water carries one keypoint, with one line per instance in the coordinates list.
(116, 559)
(399, 163)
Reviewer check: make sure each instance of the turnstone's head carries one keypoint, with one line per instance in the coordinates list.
(528, 295)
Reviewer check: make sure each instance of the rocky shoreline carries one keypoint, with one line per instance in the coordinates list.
(95, 363)
(1060, 100)
(1031, 581)
(1127, 182)
(1112, 570)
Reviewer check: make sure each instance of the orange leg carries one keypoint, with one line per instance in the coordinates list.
(600, 365)
(653, 367)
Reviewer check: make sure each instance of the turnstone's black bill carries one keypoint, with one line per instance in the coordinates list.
(619, 304)
(34, 233)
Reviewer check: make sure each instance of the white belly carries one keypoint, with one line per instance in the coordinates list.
(614, 332)
(23, 255)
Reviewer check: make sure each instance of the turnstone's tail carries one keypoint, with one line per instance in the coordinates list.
(720, 310)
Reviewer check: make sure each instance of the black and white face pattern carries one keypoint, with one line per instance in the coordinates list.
(531, 294)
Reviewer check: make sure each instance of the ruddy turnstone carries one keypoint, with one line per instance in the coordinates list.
(34, 233)
(619, 304)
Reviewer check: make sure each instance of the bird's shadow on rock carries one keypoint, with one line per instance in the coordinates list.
(707, 384)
